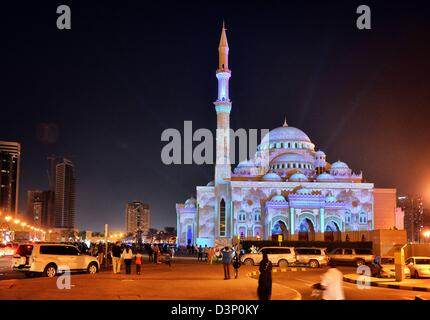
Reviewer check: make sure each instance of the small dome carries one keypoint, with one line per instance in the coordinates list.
(271, 176)
(190, 203)
(303, 191)
(339, 165)
(298, 177)
(319, 153)
(210, 184)
(278, 198)
(325, 177)
(330, 199)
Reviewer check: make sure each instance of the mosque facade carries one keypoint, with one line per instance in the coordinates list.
(288, 190)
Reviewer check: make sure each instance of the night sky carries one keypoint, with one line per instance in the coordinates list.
(128, 70)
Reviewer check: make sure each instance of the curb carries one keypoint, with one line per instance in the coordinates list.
(389, 286)
(298, 295)
(275, 270)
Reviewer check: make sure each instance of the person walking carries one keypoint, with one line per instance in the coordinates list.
(150, 253)
(264, 290)
(139, 257)
(331, 283)
(156, 253)
(116, 258)
(377, 267)
(127, 255)
(168, 259)
(226, 260)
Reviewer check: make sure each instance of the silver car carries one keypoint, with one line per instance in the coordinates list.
(312, 257)
(281, 256)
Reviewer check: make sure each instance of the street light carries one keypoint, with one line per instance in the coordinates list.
(426, 235)
(8, 218)
(16, 221)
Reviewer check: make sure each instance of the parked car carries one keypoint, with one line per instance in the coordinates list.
(8, 249)
(46, 258)
(419, 266)
(312, 257)
(281, 256)
(388, 268)
(357, 257)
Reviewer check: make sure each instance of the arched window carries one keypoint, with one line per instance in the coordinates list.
(348, 217)
(362, 218)
(222, 219)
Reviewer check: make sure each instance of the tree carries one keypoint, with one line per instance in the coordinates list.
(170, 230)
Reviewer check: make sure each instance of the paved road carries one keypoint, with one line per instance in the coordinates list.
(300, 281)
(303, 280)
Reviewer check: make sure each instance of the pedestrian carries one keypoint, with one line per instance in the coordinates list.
(155, 253)
(377, 267)
(264, 290)
(127, 255)
(100, 253)
(236, 264)
(331, 283)
(150, 252)
(226, 260)
(168, 259)
(172, 251)
(116, 258)
(206, 252)
(200, 253)
(211, 253)
(139, 257)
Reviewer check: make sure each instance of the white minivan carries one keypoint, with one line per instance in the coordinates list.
(49, 258)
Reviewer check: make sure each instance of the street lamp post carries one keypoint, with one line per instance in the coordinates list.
(426, 235)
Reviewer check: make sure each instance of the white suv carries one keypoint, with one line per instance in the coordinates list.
(282, 256)
(47, 258)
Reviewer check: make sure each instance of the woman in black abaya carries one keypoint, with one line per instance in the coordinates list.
(264, 290)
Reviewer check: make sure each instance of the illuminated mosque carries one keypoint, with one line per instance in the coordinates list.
(295, 193)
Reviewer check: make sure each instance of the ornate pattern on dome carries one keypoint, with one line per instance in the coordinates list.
(339, 165)
(325, 177)
(278, 198)
(298, 177)
(271, 176)
(286, 133)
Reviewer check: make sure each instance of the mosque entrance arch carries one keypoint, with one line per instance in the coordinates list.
(306, 230)
(190, 235)
(332, 232)
(279, 228)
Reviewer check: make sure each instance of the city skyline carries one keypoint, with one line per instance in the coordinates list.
(107, 114)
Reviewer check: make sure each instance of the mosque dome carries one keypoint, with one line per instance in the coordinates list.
(330, 199)
(339, 165)
(319, 153)
(271, 176)
(211, 183)
(298, 177)
(286, 137)
(325, 177)
(278, 198)
(190, 203)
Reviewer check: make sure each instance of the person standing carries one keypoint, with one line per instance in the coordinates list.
(200, 253)
(127, 255)
(236, 264)
(172, 251)
(264, 290)
(226, 260)
(100, 253)
(331, 283)
(206, 252)
(116, 258)
(139, 257)
(150, 253)
(211, 253)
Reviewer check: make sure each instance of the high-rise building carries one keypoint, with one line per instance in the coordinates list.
(10, 157)
(40, 207)
(65, 181)
(137, 217)
(412, 205)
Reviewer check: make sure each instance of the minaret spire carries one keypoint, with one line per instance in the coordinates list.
(285, 122)
(223, 108)
(223, 49)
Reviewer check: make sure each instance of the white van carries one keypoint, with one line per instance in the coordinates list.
(281, 256)
(46, 258)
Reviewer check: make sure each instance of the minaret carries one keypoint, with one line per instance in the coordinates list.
(223, 108)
